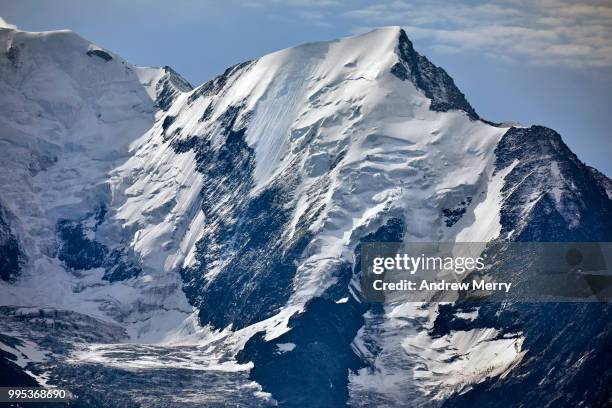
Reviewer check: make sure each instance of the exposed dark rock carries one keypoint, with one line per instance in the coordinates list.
(168, 121)
(567, 361)
(603, 180)
(169, 87)
(11, 375)
(100, 54)
(258, 265)
(315, 373)
(12, 256)
(533, 183)
(454, 214)
(78, 252)
(207, 113)
(13, 55)
(185, 145)
(435, 83)
(177, 80)
(215, 85)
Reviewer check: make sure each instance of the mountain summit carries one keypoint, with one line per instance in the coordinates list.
(210, 237)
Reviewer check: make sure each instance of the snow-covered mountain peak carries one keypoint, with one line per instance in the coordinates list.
(70, 113)
(345, 134)
(162, 84)
(231, 215)
(317, 83)
(4, 24)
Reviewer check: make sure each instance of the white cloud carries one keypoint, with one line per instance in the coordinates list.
(293, 3)
(544, 32)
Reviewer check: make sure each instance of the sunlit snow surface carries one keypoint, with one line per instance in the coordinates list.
(413, 365)
(79, 130)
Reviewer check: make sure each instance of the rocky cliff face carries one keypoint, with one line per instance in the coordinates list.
(211, 237)
(549, 196)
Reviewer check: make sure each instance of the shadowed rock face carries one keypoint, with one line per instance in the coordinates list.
(315, 372)
(567, 200)
(100, 54)
(256, 279)
(78, 252)
(170, 87)
(12, 375)
(11, 255)
(435, 83)
(567, 362)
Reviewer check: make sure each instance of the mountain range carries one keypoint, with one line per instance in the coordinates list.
(169, 245)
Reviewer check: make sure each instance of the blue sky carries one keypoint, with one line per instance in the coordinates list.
(545, 62)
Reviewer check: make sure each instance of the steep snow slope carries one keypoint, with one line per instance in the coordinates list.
(222, 225)
(58, 102)
(70, 113)
(303, 153)
(352, 139)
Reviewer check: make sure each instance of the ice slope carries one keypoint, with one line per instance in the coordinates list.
(66, 117)
(71, 112)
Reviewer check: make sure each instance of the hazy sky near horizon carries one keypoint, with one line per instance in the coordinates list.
(545, 62)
